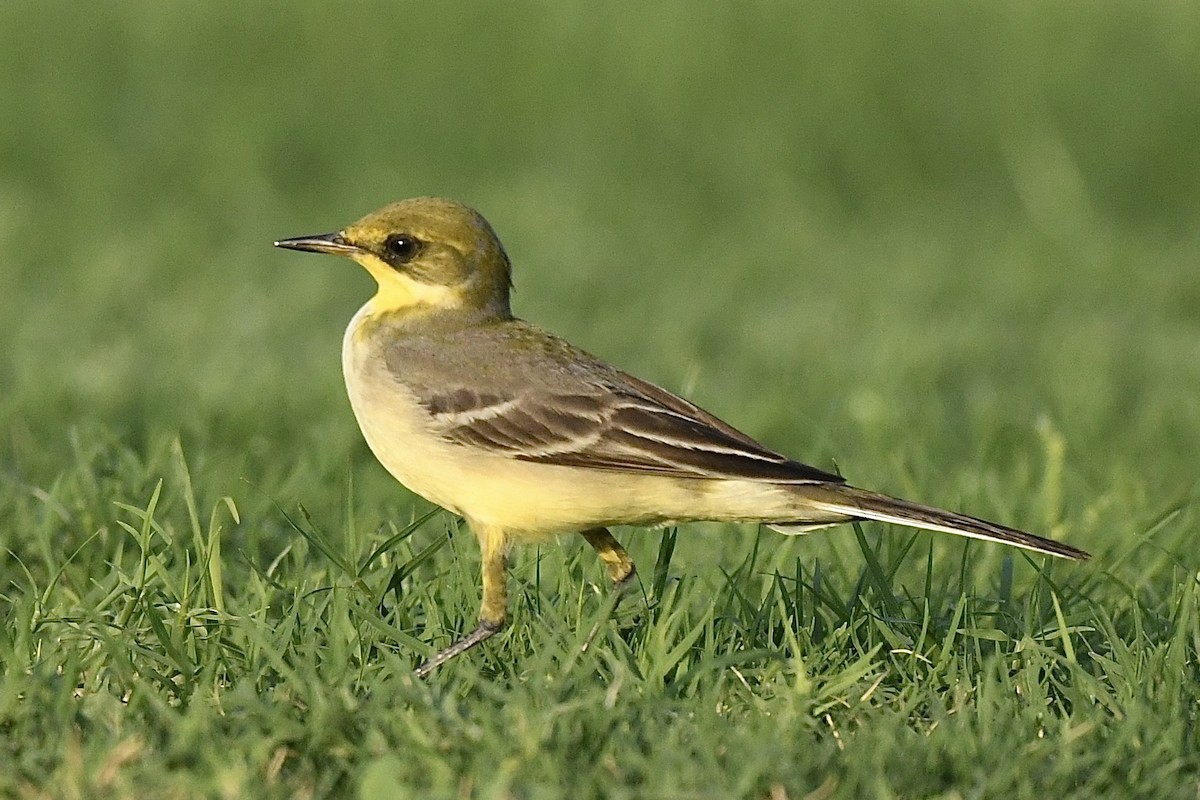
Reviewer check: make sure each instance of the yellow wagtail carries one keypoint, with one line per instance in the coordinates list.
(526, 436)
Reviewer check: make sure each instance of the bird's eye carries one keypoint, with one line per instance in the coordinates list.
(401, 248)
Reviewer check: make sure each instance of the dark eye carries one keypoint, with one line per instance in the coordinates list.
(401, 248)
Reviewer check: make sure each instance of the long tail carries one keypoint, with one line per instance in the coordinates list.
(844, 503)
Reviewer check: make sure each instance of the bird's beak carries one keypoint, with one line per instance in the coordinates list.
(333, 243)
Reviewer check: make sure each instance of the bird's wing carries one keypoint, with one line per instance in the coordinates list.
(617, 424)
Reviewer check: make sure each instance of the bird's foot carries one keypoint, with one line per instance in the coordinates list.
(484, 630)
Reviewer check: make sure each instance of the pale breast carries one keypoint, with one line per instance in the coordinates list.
(393, 421)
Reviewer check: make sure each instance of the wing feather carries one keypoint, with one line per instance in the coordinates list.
(626, 425)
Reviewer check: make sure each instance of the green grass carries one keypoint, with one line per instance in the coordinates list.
(950, 249)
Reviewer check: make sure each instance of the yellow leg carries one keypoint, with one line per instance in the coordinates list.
(493, 611)
(494, 544)
(620, 566)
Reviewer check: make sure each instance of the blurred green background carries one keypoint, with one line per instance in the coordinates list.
(856, 231)
(951, 248)
(868, 233)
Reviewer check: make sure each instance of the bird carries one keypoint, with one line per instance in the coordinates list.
(526, 436)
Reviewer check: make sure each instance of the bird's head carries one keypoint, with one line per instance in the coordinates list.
(428, 255)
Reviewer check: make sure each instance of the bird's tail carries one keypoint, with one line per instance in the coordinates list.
(842, 503)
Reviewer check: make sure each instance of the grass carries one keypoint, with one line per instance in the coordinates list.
(949, 249)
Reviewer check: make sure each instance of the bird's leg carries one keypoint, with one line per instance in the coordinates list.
(493, 611)
(620, 566)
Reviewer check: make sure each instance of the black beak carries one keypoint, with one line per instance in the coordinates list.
(333, 243)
